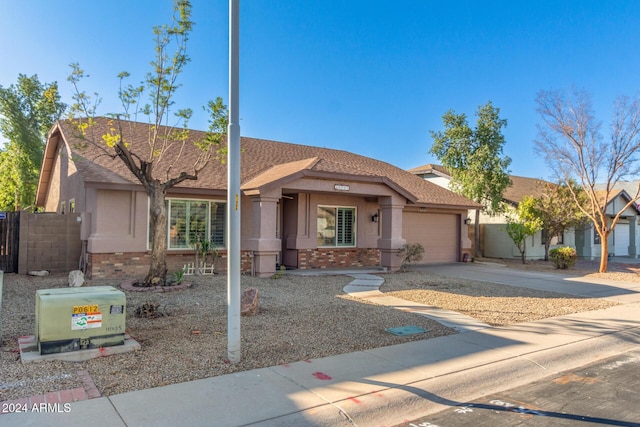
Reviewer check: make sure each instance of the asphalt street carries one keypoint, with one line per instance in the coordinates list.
(606, 393)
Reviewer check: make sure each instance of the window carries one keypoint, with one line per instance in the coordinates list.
(63, 207)
(558, 239)
(190, 220)
(596, 238)
(336, 226)
(72, 206)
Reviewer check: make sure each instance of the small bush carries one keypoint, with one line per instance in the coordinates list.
(563, 258)
(178, 277)
(410, 253)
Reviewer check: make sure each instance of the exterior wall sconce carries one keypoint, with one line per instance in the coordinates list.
(467, 221)
(375, 217)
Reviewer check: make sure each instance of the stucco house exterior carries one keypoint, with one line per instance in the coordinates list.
(494, 240)
(301, 207)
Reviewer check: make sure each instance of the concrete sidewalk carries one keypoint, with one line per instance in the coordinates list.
(379, 387)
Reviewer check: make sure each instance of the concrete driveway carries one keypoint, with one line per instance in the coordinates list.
(573, 284)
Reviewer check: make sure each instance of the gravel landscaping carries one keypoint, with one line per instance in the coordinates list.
(300, 318)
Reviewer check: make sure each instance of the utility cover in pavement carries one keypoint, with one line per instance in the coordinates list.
(406, 330)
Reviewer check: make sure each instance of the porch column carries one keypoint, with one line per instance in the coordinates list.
(391, 232)
(633, 227)
(263, 243)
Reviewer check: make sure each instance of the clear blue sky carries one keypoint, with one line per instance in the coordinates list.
(372, 77)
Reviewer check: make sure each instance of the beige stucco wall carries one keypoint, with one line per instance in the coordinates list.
(498, 244)
(299, 228)
(65, 184)
(119, 221)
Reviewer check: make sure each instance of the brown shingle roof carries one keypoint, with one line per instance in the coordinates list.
(521, 187)
(430, 168)
(262, 162)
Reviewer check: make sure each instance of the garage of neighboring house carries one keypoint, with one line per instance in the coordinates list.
(434, 232)
(621, 238)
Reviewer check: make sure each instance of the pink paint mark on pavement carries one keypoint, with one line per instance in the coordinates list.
(321, 376)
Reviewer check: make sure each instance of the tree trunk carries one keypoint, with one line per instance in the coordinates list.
(604, 254)
(158, 218)
(476, 234)
(547, 243)
(523, 251)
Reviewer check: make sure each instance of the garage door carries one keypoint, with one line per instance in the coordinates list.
(621, 239)
(437, 233)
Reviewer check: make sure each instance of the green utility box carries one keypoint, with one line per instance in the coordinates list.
(70, 319)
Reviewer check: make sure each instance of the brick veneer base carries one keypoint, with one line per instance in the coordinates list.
(129, 264)
(338, 258)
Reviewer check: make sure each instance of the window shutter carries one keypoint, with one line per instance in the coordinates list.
(346, 223)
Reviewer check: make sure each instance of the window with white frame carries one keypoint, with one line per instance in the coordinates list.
(191, 220)
(336, 226)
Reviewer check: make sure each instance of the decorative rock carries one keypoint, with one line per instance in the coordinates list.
(249, 305)
(76, 279)
(38, 273)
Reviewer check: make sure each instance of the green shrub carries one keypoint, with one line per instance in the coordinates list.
(564, 257)
(410, 253)
(178, 277)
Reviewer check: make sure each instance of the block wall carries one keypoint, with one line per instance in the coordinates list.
(49, 241)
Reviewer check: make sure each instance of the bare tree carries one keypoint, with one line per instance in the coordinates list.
(571, 141)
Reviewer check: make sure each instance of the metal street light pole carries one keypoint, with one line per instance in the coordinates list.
(233, 188)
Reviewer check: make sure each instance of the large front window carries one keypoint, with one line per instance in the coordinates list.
(193, 220)
(336, 226)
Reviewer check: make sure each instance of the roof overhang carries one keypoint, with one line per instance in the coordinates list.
(267, 187)
(51, 148)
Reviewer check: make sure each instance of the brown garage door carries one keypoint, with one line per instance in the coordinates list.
(437, 233)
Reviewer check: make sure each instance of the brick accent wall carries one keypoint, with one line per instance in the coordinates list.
(129, 264)
(338, 258)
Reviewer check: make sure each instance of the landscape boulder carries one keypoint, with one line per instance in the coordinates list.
(249, 305)
(40, 273)
(76, 279)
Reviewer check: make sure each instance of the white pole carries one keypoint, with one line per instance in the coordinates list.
(233, 188)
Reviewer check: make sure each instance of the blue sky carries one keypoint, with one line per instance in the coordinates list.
(372, 77)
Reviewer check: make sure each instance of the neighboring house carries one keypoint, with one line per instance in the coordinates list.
(301, 207)
(624, 240)
(494, 240)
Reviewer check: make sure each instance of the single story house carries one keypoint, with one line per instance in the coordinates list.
(301, 207)
(623, 240)
(494, 240)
